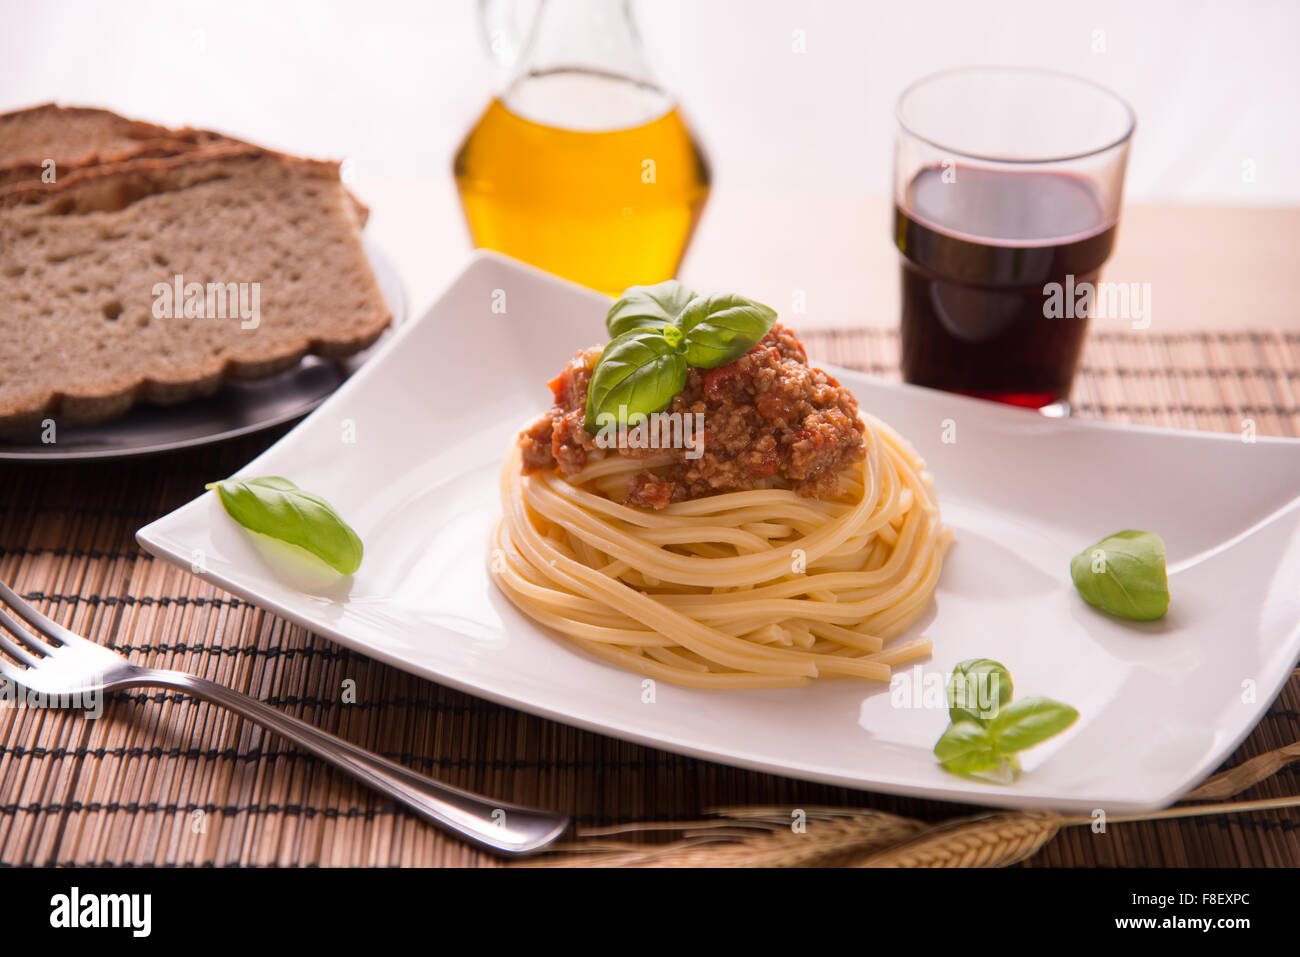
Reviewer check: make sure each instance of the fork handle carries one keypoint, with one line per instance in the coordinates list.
(495, 825)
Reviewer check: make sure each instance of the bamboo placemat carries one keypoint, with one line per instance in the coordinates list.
(164, 780)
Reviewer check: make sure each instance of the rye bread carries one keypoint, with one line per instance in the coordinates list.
(80, 261)
(77, 136)
(81, 137)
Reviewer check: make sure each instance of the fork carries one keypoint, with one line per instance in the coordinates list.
(60, 662)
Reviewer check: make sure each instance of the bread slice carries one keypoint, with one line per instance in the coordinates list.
(83, 265)
(77, 136)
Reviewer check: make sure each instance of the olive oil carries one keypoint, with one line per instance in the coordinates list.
(606, 207)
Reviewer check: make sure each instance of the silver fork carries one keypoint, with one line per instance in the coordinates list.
(55, 661)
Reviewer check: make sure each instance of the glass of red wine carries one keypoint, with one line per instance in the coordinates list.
(1006, 180)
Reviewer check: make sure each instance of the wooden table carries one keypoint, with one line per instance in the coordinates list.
(166, 780)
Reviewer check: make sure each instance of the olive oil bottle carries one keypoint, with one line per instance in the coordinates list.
(584, 171)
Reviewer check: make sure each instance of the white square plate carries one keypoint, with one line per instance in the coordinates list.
(408, 450)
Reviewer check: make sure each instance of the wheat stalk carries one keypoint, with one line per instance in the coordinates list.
(844, 837)
(1226, 784)
(990, 840)
(998, 840)
(746, 837)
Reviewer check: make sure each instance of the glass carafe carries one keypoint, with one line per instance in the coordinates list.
(583, 165)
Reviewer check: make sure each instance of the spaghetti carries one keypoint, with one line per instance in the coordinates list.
(747, 589)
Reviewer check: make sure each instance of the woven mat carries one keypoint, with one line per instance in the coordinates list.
(165, 780)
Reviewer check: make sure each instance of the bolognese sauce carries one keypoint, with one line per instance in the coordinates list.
(769, 418)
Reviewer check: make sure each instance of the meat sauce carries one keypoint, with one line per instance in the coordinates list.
(769, 419)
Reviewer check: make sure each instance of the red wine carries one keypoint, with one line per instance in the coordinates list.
(977, 252)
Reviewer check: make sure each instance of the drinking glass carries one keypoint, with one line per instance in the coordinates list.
(1007, 185)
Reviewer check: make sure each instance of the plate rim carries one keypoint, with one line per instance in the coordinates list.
(962, 791)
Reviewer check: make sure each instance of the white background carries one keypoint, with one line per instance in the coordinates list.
(396, 84)
(798, 142)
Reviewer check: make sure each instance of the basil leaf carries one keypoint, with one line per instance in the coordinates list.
(985, 734)
(638, 373)
(1024, 723)
(647, 307)
(276, 507)
(977, 690)
(1124, 575)
(968, 748)
(721, 329)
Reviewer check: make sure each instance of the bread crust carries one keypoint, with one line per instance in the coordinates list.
(123, 139)
(152, 142)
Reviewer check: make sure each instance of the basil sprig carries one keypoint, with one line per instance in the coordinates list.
(973, 687)
(1125, 575)
(276, 507)
(656, 333)
(982, 744)
(647, 307)
(640, 371)
(721, 329)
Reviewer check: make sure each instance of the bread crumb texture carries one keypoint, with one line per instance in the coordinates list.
(79, 263)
